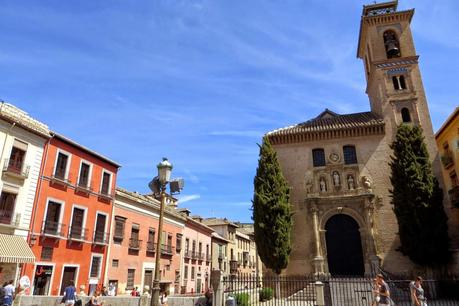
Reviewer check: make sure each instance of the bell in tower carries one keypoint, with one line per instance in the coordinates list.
(391, 44)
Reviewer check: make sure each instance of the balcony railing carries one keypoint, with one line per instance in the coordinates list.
(77, 233)
(221, 256)
(8, 217)
(447, 160)
(151, 246)
(194, 255)
(84, 187)
(60, 179)
(105, 195)
(200, 256)
(454, 196)
(167, 249)
(16, 168)
(53, 229)
(134, 243)
(208, 257)
(188, 254)
(100, 238)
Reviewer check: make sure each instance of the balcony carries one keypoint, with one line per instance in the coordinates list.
(221, 256)
(8, 217)
(194, 255)
(188, 254)
(167, 249)
(200, 256)
(134, 244)
(53, 229)
(16, 169)
(447, 160)
(151, 246)
(77, 233)
(60, 179)
(105, 195)
(454, 196)
(100, 238)
(83, 187)
(233, 266)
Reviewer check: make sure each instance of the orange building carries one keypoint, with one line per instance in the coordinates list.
(133, 244)
(69, 231)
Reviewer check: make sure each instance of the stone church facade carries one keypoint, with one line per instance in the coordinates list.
(338, 165)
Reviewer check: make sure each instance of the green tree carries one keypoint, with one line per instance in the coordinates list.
(418, 200)
(271, 211)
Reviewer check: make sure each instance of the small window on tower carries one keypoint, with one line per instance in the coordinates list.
(406, 115)
(401, 80)
(395, 82)
(391, 44)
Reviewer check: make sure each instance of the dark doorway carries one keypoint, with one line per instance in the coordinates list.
(344, 246)
(148, 279)
(42, 280)
(68, 275)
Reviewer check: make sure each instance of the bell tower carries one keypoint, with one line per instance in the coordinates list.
(394, 84)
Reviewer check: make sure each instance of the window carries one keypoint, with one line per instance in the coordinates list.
(7, 203)
(77, 231)
(115, 263)
(16, 161)
(119, 228)
(406, 117)
(130, 279)
(399, 82)
(192, 272)
(47, 253)
(99, 233)
(200, 248)
(83, 178)
(318, 157)
(95, 266)
(134, 242)
(207, 251)
(53, 214)
(185, 272)
(60, 171)
(193, 248)
(391, 44)
(169, 240)
(178, 242)
(187, 244)
(350, 156)
(453, 178)
(106, 182)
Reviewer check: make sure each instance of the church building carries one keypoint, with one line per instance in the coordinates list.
(338, 164)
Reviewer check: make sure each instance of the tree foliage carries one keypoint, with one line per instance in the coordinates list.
(271, 210)
(418, 200)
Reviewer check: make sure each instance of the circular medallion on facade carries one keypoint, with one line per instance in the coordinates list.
(334, 157)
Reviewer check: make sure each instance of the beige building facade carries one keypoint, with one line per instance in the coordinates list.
(338, 165)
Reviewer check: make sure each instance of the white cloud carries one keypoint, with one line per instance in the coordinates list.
(188, 198)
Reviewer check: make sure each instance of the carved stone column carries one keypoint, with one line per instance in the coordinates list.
(318, 260)
(371, 241)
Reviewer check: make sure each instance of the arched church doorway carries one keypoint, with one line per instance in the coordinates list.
(344, 246)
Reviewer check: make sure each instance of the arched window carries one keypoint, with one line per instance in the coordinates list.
(391, 43)
(350, 156)
(399, 82)
(406, 117)
(318, 157)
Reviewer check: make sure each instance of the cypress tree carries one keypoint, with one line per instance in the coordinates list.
(271, 210)
(418, 200)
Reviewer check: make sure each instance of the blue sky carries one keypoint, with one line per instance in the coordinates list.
(201, 81)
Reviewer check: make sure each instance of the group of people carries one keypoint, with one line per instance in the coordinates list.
(381, 292)
(71, 298)
(7, 292)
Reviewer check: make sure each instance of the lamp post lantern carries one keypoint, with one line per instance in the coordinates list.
(164, 176)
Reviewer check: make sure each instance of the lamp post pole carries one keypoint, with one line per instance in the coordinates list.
(164, 174)
(156, 288)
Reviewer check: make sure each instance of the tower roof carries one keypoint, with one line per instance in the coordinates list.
(329, 124)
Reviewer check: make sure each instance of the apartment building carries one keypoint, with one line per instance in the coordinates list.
(22, 140)
(197, 256)
(220, 259)
(133, 244)
(71, 218)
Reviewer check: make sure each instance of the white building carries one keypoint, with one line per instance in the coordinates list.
(22, 141)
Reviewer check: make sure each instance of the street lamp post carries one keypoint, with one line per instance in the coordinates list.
(164, 175)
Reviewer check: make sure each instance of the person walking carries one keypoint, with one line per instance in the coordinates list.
(69, 297)
(163, 299)
(376, 296)
(9, 293)
(2, 295)
(417, 293)
(383, 289)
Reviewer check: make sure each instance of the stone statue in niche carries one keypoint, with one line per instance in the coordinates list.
(308, 183)
(322, 185)
(336, 179)
(350, 182)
